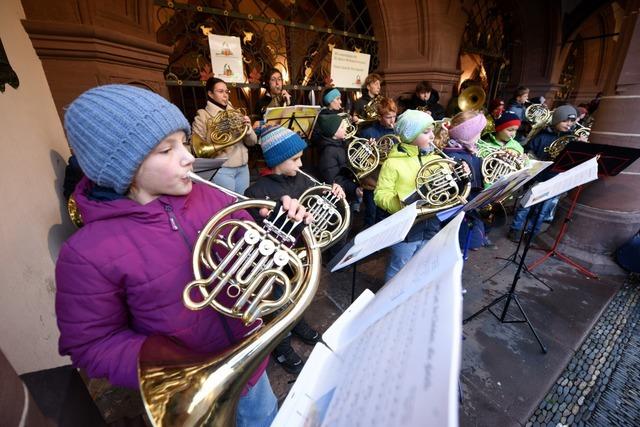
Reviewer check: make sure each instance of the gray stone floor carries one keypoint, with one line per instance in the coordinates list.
(504, 375)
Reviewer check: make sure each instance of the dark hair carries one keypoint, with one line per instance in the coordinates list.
(520, 90)
(267, 76)
(370, 79)
(211, 83)
(423, 86)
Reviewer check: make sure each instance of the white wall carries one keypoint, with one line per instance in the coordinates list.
(33, 151)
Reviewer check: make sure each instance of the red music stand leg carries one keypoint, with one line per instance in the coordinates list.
(554, 248)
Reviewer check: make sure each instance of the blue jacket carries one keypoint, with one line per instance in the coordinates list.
(375, 131)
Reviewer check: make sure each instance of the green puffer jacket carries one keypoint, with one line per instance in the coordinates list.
(490, 143)
(397, 178)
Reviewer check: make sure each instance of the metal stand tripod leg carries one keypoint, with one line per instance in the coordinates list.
(511, 295)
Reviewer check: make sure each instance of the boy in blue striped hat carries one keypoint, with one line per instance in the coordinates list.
(282, 149)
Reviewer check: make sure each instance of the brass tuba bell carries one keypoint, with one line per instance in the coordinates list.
(223, 130)
(472, 98)
(236, 264)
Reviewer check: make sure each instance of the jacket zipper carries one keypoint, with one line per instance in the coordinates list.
(173, 222)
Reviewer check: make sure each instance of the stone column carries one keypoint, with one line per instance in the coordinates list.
(608, 212)
(85, 43)
(419, 40)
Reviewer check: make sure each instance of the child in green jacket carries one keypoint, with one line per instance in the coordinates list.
(397, 180)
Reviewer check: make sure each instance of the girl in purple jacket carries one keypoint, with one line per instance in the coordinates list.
(120, 278)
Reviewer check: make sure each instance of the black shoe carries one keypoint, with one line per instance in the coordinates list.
(287, 357)
(306, 333)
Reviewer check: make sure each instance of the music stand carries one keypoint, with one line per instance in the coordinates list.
(611, 161)
(298, 118)
(203, 166)
(511, 294)
(533, 199)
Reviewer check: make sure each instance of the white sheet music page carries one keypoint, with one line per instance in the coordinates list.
(385, 233)
(565, 181)
(396, 359)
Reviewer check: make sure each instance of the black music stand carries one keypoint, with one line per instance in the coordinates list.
(611, 161)
(298, 118)
(203, 166)
(515, 258)
(511, 294)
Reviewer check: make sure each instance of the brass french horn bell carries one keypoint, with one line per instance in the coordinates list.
(472, 98)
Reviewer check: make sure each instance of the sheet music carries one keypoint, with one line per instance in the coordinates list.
(578, 175)
(507, 184)
(385, 233)
(396, 357)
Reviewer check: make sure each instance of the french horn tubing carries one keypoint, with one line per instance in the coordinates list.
(499, 163)
(363, 157)
(442, 184)
(385, 143)
(236, 265)
(331, 215)
(224, 129)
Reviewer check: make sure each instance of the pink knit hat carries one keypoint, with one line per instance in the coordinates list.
(465, 132)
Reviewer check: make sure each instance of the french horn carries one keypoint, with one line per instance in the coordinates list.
(499, 163)
(385, 143)
(555, 148)
(441, 183)
(236, 265)
(363, 157)
(331, 215)
(223, 130)
(370, 110)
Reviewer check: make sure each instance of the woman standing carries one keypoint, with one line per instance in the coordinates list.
(234, 173)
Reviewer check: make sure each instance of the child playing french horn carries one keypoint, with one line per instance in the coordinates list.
(282, 149)
(397, 180)
(120, 278)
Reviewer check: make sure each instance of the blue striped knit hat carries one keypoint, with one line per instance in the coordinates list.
(279, 143)
(412, 123)
(112, 128)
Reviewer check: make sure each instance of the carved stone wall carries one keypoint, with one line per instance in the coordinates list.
(84, 43)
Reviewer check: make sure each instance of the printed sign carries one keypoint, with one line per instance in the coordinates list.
(349, 69)
(226, 58)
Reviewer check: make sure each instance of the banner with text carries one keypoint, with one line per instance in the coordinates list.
(226, 58)
(349, 69)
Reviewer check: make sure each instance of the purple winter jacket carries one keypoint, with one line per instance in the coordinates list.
(120, 279)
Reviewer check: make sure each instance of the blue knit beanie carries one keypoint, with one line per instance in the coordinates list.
(412, 123)
(279, 143)
(112, 128)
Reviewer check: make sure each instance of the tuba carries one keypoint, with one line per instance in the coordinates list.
(223, 130)
(331, 215)
(500, 162)
(363, 157)
(236, 264)
(472, 98)
(441, 184)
